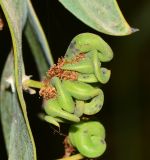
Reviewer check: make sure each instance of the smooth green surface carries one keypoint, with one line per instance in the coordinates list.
(89, 138)
(86, 42)
(16, 13)
(64, 98)
(16, 134)
(102, 15)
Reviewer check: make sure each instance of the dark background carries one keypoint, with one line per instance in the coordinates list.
(125, 113)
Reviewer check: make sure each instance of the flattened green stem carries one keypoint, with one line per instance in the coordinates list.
(79, 109)
(53, 108)
(88, 138)
(102, 74)
(80, 90)
(87, 42)
(87, 78)
(33, 84)
(83, 66)
(64, 98)
(49, 119)
(74, 157)
(95, 105)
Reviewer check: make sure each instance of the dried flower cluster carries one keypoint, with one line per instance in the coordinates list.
(48, 91)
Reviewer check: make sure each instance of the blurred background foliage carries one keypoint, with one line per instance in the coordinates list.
(125, 113)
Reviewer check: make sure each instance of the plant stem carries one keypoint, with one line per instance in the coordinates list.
(33, 84)
(74, 157)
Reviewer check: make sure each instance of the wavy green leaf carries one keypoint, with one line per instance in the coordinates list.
(15, 12)
(102, 15)
(16, 135)
(37, 42)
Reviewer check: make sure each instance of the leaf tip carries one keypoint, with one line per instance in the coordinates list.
(133, 30)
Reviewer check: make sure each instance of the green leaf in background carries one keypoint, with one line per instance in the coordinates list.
(15, 12)
(37, 41)
(102, 15)
(16, 135)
